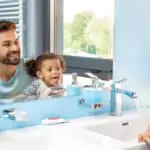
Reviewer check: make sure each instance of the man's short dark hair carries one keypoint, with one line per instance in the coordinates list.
(7, 25)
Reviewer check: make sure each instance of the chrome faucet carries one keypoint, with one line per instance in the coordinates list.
(116, 99)
(94, 82)
(116, 93)
(14, 114)
(74, 78)
(97, 82)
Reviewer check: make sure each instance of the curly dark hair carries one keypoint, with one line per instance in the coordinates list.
(33, 65)
(6, 25)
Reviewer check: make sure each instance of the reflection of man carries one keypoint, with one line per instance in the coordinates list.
(10, 56)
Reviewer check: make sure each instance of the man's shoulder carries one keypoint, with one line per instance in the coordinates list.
(22, 73)
(19, 81)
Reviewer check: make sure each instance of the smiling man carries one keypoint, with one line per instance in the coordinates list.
(18, 79)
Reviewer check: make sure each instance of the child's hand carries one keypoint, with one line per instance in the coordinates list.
(145, 137)
(141, 138)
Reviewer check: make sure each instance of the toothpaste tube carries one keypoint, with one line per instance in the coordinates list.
(52, 121)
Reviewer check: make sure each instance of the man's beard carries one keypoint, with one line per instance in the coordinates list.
(12, 58)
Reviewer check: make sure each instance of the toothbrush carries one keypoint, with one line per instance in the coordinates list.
(52, 121)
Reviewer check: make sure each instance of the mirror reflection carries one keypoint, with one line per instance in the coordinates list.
(32, 65)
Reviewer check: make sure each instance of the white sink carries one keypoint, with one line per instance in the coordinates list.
(139, 147)
(125, 130)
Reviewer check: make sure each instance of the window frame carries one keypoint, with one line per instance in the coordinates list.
(74, 63)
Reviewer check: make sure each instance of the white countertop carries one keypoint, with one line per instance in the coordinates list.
(72, 135)
(57, 137)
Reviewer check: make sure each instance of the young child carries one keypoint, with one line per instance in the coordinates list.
(48, 72)
(5, 74)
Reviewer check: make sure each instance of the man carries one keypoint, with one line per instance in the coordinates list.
(18, 79)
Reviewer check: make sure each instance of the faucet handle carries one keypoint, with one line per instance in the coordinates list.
(117, 84)
(14, 114)
(6, 111)
(94, 82)
(121, 81)
(74, 78)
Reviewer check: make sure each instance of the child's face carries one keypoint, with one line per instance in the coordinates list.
(51, 72)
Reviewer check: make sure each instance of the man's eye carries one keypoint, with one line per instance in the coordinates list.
(6, 44)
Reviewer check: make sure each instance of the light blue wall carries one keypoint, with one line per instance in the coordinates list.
(132, 47)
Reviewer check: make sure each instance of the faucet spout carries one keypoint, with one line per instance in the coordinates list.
(128, 93)
(116, 99)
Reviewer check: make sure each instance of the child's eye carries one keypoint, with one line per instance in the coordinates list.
(49, 69)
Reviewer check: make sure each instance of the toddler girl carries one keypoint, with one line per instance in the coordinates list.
(48, 72)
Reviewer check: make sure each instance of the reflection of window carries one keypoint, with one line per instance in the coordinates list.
(88, 28)
(82, 30)
(12, 10)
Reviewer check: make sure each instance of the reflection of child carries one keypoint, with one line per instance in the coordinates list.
(48, 69)
(4, 72)
(145, 137)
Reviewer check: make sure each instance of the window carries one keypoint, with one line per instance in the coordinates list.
(12, 10)
(83, 32)
(88, 28)
(32, 24)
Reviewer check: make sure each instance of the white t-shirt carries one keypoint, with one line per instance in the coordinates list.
(39, 89)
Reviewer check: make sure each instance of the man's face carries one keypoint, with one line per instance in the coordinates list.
(9, 48)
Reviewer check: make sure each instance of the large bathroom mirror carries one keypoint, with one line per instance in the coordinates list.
(69, 39)
(81, 31)
(103, 38)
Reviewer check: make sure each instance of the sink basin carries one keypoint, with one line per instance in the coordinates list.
(139, 147)
(125, 130)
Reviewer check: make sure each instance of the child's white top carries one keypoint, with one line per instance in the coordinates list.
(38, 89)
